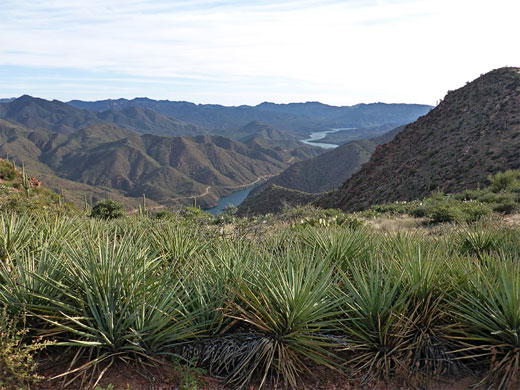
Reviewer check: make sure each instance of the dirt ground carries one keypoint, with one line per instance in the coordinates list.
(132, 376)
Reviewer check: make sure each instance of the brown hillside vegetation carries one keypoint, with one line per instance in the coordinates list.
(473, 132)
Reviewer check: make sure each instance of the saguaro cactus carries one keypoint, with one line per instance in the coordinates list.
(142, 207)
(25, 182)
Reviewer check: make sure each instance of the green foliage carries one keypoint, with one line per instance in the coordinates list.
(505, 181)
(502, 196)
(107, 209)
(289, 309)
(7, 172)
(266, 305)
(17, 364)
(487, 306)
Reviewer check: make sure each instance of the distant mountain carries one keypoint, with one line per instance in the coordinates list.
(473, 132)
(169, 170)
(60, 117)
(41, 114)
(256, 129)
(358, 116)
(330, 169)
(297, 118)
(211, 116)
(8, 100)
(150, 122)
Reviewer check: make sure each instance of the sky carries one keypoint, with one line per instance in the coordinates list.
(245, 52)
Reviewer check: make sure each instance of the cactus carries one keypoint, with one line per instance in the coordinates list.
(25, 182)
(142, 207)
(194, 202)
(61, 198)
(85, 204)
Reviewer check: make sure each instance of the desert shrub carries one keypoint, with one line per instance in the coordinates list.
(164, 214)
(473, 211)
(7, 172)
(505, 181)
(107, 209)
(506, 207)
(17, 364)
(444, 212)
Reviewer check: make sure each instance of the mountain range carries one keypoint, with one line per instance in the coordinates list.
(130, 149)
(296, 118)
(169, 170)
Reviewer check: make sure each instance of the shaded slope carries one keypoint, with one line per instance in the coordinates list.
(475, 131)
(148, 121)
(256, 129)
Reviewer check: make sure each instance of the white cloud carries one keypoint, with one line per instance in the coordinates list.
(343, 52)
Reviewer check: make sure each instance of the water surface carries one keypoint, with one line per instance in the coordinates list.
(316, 136)
(234, 199)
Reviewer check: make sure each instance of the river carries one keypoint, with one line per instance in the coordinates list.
(235, 199)
(316, 136)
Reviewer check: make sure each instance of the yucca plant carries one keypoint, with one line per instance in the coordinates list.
(24, 284)
(115, 298)
(487, 307)
(375, 321)
(478, 240)
(427, 279)
(286, 316)
(342, 246)
(15, 235)
(178, 242)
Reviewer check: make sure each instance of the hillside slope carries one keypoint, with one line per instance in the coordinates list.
(474, 132)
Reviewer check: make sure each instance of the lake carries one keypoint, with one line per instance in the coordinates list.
(316, 136)
(235, 199)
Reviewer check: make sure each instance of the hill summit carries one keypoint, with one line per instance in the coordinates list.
(473, 132)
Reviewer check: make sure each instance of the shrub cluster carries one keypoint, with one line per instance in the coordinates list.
(501, 196)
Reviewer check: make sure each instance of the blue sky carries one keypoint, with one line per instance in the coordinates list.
(245, 52)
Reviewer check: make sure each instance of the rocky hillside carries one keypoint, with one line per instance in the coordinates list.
(473, 132)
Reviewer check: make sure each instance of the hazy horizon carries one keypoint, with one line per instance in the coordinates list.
(233, 53)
